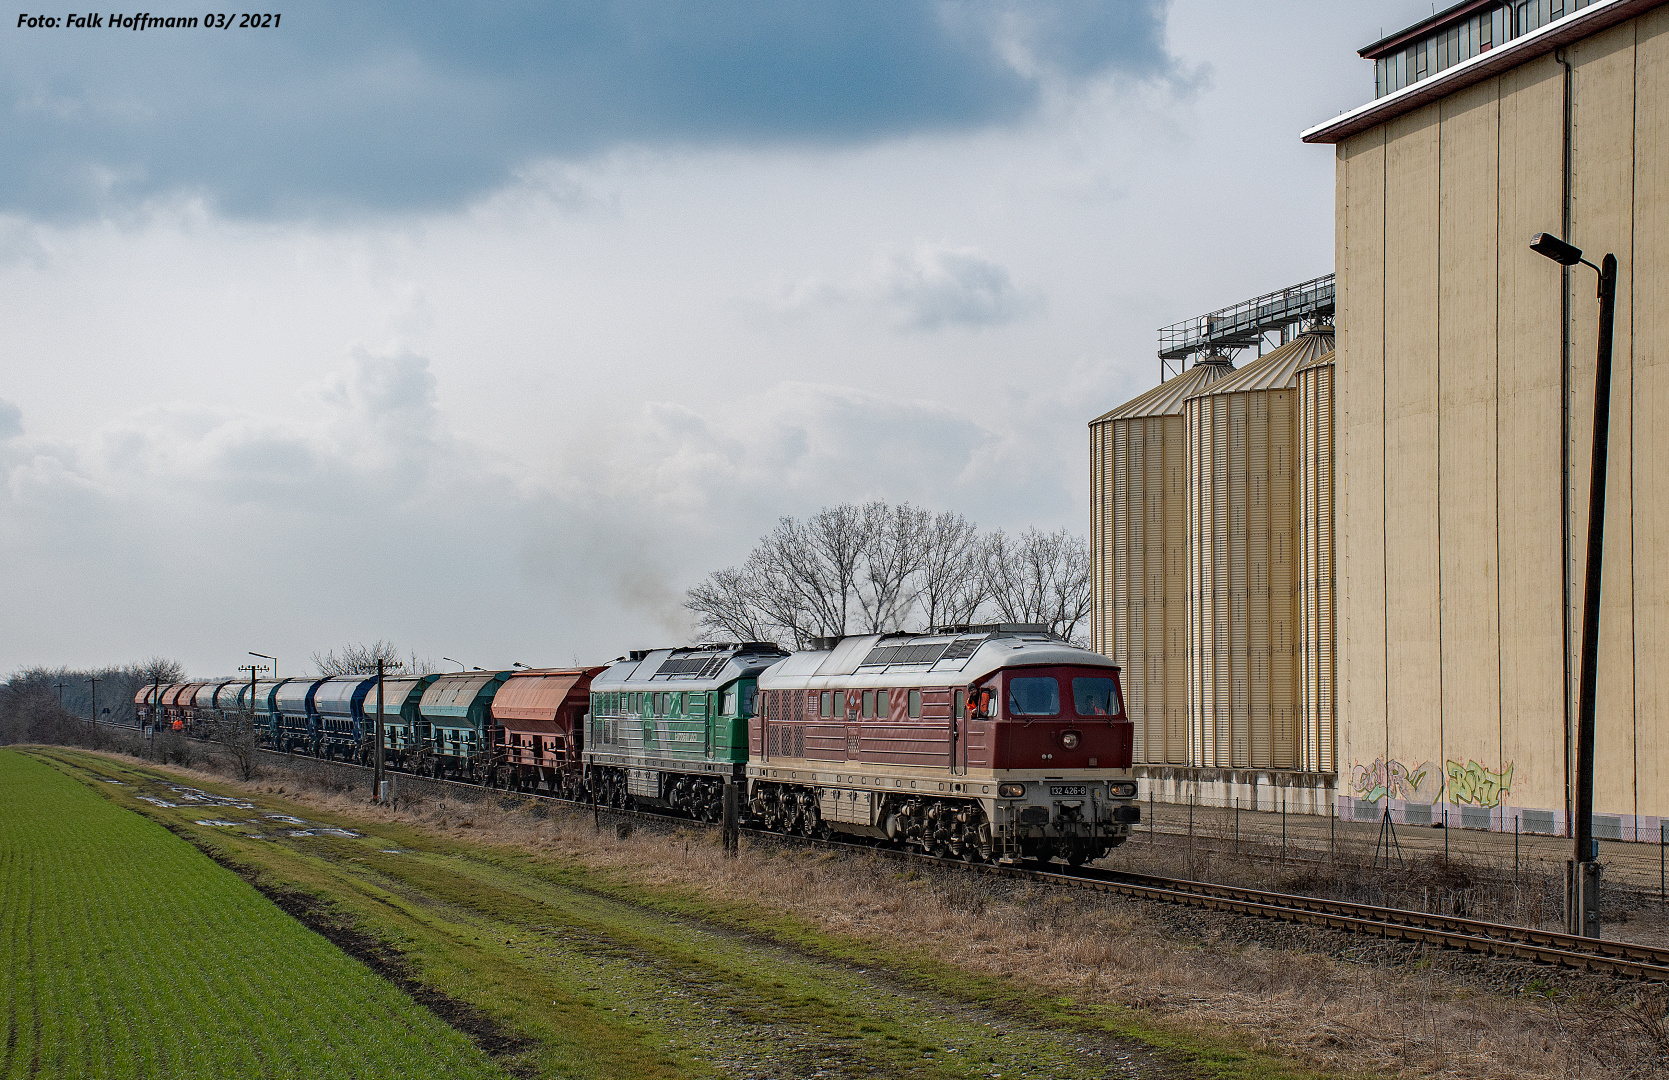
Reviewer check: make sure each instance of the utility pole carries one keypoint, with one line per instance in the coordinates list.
(377, 780)
(60, 695)
(252, 669)
(93, 709)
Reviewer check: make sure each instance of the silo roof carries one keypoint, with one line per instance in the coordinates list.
(1324, 360)
(1166, 399)
(1276, 370)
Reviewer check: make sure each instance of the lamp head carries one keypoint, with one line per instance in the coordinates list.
(1556, 249)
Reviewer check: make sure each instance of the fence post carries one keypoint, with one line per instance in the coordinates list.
(1150, 814)
(1237, 825)
(1662, 894)
(732, 829)
(1515, 852)
(1283, 829)
(1332, 826)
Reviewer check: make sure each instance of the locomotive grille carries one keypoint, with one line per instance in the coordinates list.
(693, 667)
(884, 655)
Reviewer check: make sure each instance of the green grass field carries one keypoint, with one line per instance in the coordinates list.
(125, 952)
(601, 978)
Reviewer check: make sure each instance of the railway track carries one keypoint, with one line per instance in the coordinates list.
(1619, 958)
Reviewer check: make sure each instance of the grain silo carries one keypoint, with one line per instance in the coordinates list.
(1138, 575)
(1242, 528)
(1317, 717)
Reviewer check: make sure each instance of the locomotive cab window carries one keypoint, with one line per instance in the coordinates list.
(747, 699)
(1034, 696)
(729, 705)
(869, 704)
(959, 707)
(825, 704)
(1094, 697)
(915, 704)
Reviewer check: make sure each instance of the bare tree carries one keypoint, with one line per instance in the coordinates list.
(894, 542)
(808, 572)
(158, 669)
(728, 604)
(361, 659)
(1039, 577)
(877, 568)
(237, 733)
(952, 573)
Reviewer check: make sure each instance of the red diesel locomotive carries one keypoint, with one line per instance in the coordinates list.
(986, 743)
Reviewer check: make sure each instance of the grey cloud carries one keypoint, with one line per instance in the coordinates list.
(936, 286)
(11, 420)
(392, 107)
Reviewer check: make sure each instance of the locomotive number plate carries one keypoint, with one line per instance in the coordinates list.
(1068, 789)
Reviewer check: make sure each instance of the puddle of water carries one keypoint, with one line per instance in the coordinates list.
(346, 834)
(285, 818)
(158, 802)
(107, 780)
(222, 824)
(391, 851)
(196, 795)
(301, 832)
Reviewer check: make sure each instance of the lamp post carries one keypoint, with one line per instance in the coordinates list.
(1583, 909)
(460, 663)
(274, 660)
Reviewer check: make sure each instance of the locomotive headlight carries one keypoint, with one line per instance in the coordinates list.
(1124, 791)
(1070, 740)
(1011, 791)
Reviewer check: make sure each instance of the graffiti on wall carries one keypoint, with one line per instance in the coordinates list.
(1388, 778)
(1472, 783)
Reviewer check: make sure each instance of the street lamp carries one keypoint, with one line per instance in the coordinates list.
(460, 663)
(1584, 884)
(274, 660)
(518, 663)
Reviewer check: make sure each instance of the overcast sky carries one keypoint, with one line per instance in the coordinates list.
(490, 330)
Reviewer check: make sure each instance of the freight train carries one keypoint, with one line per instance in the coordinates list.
(988, 743)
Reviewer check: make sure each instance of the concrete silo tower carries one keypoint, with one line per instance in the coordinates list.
(1138, 541)
(1244, 510)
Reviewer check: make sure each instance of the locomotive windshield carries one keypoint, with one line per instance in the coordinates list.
(1094, 697)
(1034, 696)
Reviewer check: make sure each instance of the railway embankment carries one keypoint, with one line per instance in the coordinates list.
(1204, 993)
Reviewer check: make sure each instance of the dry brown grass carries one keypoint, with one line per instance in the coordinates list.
(1348, 1005)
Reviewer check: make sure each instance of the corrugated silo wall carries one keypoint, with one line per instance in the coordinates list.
(1139, 583)
(1318, 718)
(1242, 580)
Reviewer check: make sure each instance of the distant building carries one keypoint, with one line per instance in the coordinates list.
(1465, 378)
(1352, 581)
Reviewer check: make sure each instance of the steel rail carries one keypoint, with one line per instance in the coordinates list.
(1600, 956)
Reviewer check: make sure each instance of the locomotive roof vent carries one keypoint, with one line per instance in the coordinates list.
(823, 644)
(994, 628)
(637, 655)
